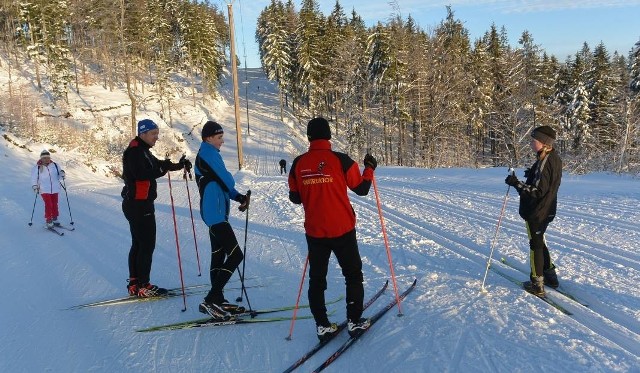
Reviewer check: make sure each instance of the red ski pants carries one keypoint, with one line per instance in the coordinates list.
(50, 205)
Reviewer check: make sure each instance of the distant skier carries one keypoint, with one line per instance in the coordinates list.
(45, 179)
(538, 202)
(217, 188)
(140, 169)
(283, 166)
(318, 179)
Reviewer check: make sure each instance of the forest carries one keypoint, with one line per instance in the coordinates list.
(421, 97)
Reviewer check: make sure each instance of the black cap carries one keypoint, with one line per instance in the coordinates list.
(544, 134)
(318, 128)
(211, 128)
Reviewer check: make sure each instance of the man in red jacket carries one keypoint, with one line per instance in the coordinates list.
(318, 179)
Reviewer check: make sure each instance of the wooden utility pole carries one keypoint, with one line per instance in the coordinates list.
(236, 98)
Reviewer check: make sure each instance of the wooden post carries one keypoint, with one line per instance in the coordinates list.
(236, 99)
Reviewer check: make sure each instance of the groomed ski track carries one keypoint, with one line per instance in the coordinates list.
(440, 225)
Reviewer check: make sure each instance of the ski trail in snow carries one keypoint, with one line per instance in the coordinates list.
(596, 322)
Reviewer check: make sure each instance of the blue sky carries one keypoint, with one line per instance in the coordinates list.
(560, 27)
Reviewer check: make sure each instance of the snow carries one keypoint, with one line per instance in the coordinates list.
(440, 225)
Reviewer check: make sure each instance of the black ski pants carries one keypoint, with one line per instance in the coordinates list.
(346, 251)
(226, 256)
(540, 259)
(142, 224)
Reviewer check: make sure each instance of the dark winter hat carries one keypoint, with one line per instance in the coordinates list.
(544, 134)
(211, 128)
(146, 125)
(318, 128)
(45, 153)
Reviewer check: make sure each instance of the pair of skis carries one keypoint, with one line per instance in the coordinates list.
(243, 318)
(248, 317)
(558, 289)
(349, 342)
(171, 292)
(57, 229)
(545, 298)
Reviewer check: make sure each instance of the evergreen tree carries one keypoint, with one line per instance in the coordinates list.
(352, 68)
(528, 107)
(309, 54)
(380, 57)
(499, 119)
(204, 35)
(601, 93)
(274, 46)
(634, 68)
(332, 45)
(480, 96)
(447, 132)
(45, 29)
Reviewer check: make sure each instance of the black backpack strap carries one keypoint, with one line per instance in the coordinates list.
(208, 175)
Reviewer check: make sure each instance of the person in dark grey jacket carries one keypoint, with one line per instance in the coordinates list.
(538, 204)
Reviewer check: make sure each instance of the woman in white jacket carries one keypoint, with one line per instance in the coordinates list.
(45, 179)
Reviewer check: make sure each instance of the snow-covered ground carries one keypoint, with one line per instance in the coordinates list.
(440, 225)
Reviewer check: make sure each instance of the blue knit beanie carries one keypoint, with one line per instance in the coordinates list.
(146, 125)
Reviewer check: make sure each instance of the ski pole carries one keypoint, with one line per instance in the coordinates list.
(34, 206)
(386, 244)
(64, 187)
(493, 243)
(36, 198)
(193, 225)
(175, 230)
(295, 309)
(239, 299)
(244, 254)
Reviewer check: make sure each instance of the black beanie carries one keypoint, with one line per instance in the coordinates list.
(318, 128)
(544, 134)
(211, 128)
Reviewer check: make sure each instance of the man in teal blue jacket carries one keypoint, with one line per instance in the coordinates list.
(217, 188)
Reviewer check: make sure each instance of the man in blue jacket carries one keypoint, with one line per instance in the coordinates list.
(217, 188)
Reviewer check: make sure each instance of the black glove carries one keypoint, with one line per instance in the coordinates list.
(185, 163)
(527, 172)
(512, 180)
(244, 201)
(370, 162)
